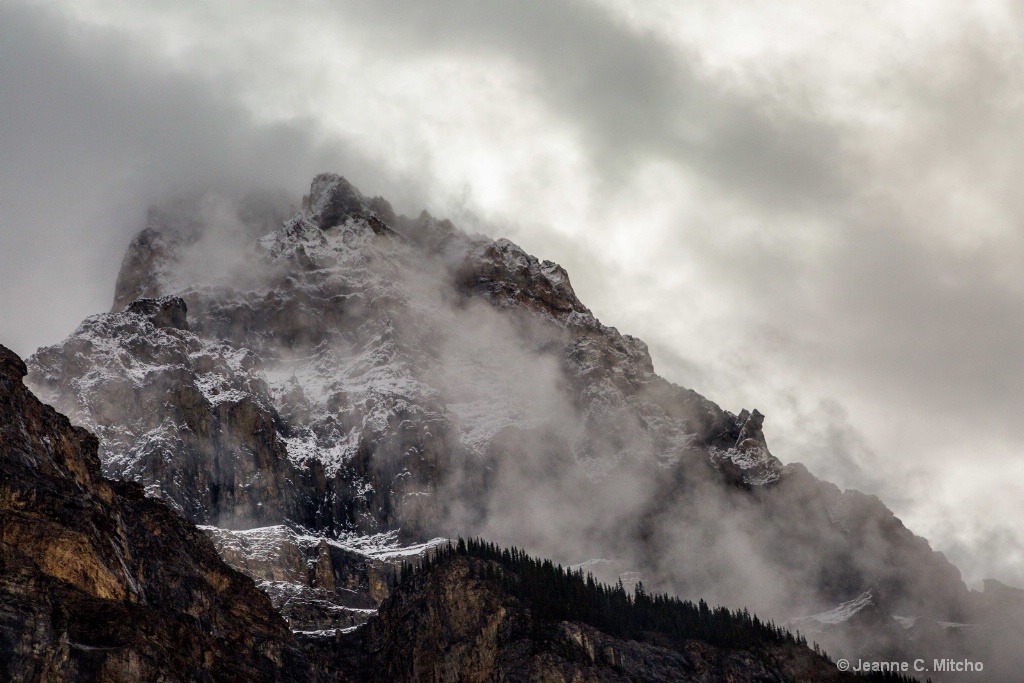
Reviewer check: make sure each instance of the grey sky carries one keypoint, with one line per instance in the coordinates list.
(809, 207)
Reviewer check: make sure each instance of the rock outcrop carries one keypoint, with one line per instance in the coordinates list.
(169, 312)
(100, 583)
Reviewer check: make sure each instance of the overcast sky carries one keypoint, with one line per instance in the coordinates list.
(810, 207)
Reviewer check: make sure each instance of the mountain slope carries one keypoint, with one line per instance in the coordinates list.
(98, 582)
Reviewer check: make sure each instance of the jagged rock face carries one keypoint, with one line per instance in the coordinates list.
(317, 583)
(167, 312)
(141, 271)
(100, 583)
(332, 200)
(357, 372)
(189, 419)
(455, 627)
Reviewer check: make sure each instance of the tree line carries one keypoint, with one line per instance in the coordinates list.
(555, 593)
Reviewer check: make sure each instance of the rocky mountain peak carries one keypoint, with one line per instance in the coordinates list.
(144, 264)
(751, 431)
(332, 199)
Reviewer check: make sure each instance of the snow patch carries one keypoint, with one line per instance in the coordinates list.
(844, 611)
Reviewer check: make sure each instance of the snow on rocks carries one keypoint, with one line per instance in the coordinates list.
(756, 467)
(318, 582)
(846, 610)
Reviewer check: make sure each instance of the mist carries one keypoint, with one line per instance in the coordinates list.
(470, 408)
(445, 383)
(810, 210)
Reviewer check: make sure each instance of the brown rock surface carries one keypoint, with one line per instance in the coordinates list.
(99, 583)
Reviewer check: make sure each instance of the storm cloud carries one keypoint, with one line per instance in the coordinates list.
(810, 209)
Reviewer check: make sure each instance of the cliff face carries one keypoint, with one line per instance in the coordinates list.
(100, 583)
(189, 418)
(360, 375)
(316, 583)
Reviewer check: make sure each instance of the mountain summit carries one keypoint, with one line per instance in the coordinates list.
(355, 383)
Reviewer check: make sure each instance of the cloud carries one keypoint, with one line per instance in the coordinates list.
(92, 130)
(825, 210)
(630, 95)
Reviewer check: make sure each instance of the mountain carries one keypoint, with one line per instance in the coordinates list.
(330, 396)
